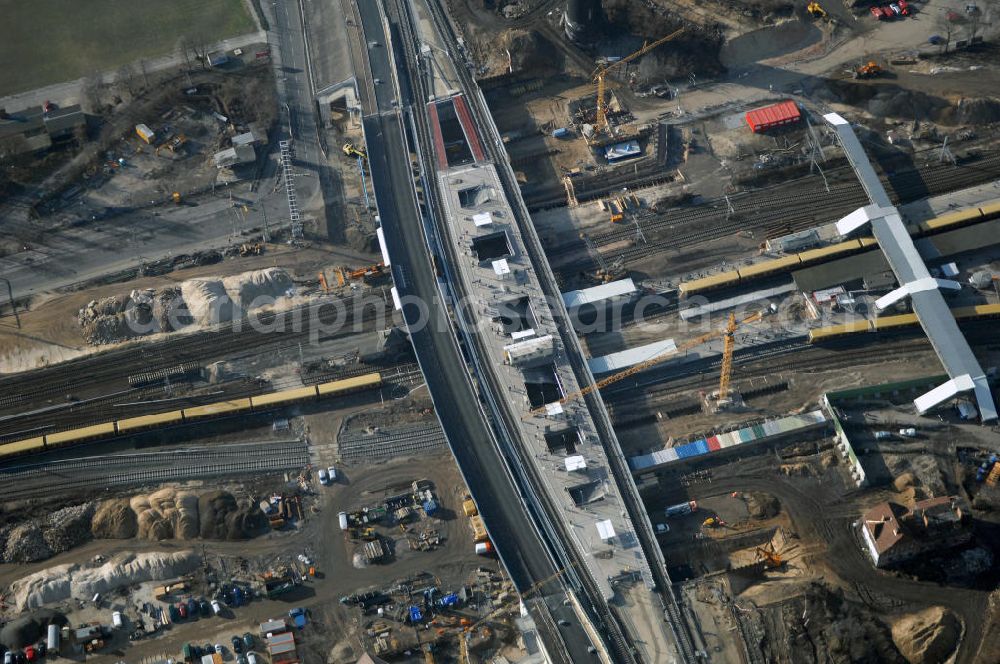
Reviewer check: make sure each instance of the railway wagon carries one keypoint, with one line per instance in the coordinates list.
(831, 332)
(19, 447)
(103, 430)
(283, 398)
(945, 222)
(978, 311)
(348, 385)
(710, 283)
(888, 323)
(766, 268)
(218, 408)
(132, 424)
(826, 253)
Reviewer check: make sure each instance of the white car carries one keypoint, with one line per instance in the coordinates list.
(332, 472)
(324, 478)
(216, 607)
(116, 620)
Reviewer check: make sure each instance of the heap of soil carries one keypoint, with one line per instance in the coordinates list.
(30, 628)
(762, 505)
(222, 518)
(529, 51)
(927, 637)
(115, 519)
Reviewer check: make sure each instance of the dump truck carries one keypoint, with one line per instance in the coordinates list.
(479, 533)
(145, 133)
(868, 70)
(469, 507)
(681, 509)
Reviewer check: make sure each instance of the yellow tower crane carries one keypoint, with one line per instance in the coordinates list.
(601, 72)
(653, 361)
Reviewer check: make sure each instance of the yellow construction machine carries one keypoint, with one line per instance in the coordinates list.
(817, 10)
(351, 150)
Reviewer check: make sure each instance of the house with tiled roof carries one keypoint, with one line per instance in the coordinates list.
(894, 534)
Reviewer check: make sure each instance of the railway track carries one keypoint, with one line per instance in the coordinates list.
(48, 478)
(388, 444)
(776, 212)
(101, 372)
(790, 355)
(149, 401)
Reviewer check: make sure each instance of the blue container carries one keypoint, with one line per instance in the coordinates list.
(430, 507)
(702, 446)
(561, 132)
(686, 451)
(415, 614)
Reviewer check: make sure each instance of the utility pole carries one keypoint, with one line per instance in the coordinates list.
(13, 305)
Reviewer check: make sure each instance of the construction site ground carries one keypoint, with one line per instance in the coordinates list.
(816, 511)
(318, 536)
(48, 331)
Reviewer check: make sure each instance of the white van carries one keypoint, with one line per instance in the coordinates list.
(252, 658)
(116, 620)
(216, 607)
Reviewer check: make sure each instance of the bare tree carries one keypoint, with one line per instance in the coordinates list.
(91, 92)
(126, 78)
(946, 24)
(974, 16)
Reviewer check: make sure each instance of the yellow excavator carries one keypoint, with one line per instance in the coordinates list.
(351, 150)
(816, 10)
(601, 123)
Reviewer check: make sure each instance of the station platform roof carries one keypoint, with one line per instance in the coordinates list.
(597, 293)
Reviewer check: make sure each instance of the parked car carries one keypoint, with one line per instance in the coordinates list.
(332, 472)
(216, 607)
(237, 645)
(182, 610)
(324, 478)
(248, 640)
(205, 608)
(117, 621)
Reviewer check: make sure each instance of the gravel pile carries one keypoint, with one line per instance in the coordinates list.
(68, 527)
(26, 544)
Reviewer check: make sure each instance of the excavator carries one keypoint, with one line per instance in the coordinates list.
(772, 559)
(727, 362)
(345, 274)
(351, 151)
(816, 10)
(601, 124)
(870, 69)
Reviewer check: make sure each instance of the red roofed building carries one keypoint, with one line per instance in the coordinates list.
(895, 534)
(776, 115)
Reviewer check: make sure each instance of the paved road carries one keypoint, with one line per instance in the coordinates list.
(444, 368)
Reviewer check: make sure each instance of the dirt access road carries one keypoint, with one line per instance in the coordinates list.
(817, 514)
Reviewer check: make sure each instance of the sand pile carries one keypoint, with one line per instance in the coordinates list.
(927, 637)
(172, 514)
(62, 582)
(207, 301)
(213, 301)
(115, 519)
(258, 288)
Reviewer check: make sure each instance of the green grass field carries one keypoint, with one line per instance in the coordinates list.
(51, 41)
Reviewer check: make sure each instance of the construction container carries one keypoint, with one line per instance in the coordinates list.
(52, 642)
(469, 507)
(561, 132)
(681, 509)
(776, 115)
(484, 548)
(145, 133)
(342, 518)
